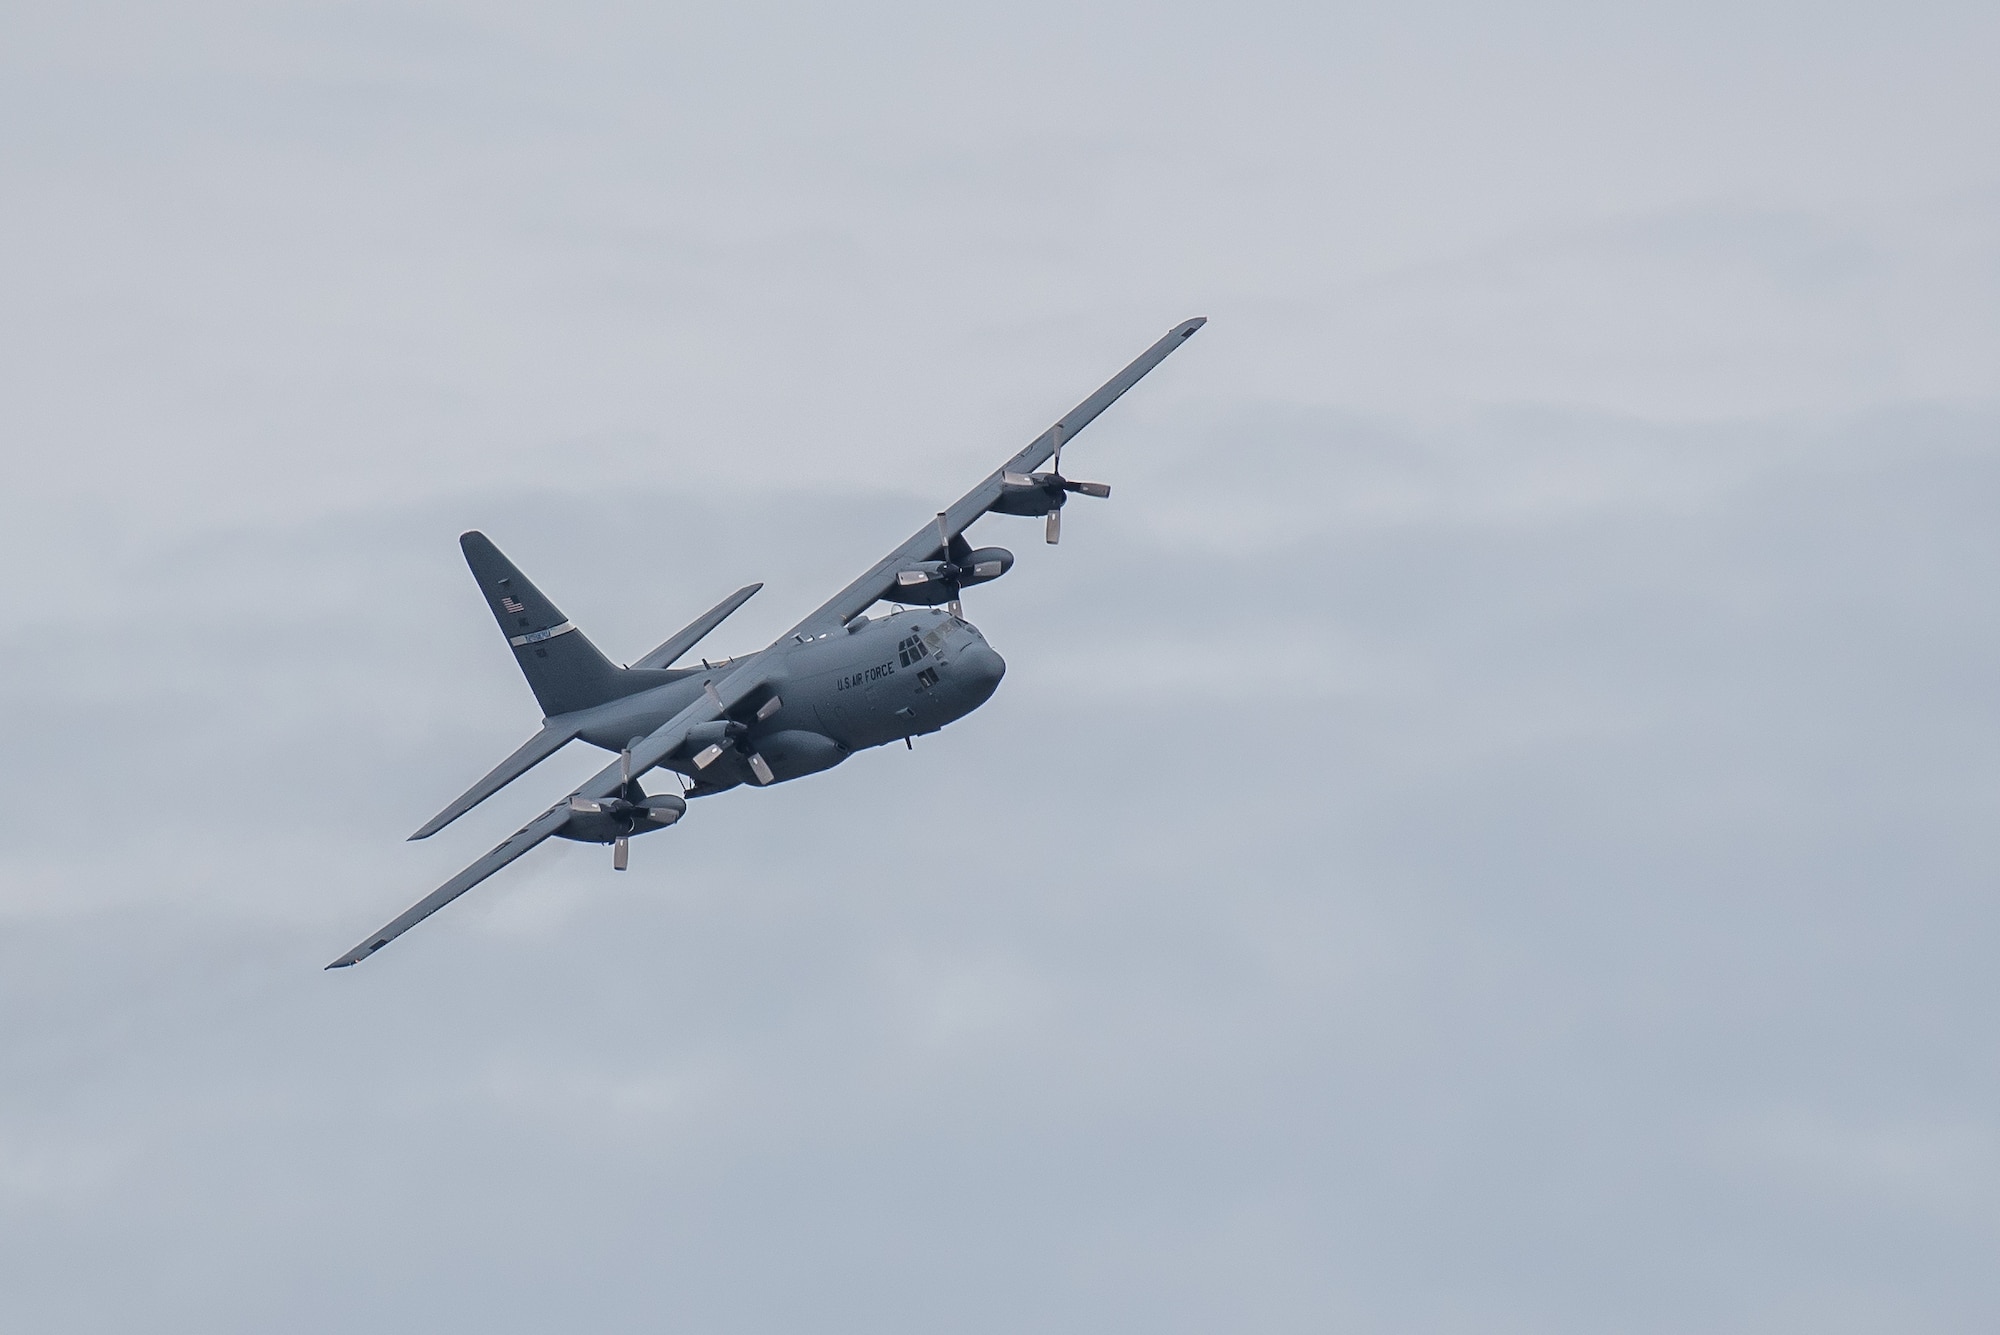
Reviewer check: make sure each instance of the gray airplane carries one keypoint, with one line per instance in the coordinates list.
(837, 682)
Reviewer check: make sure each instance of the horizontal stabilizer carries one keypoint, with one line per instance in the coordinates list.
(692, 634)
(531, 753)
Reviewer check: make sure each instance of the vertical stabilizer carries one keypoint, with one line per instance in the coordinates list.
(562, 666)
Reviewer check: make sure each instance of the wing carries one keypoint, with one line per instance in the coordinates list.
(662, 743)
(523, 839)
(880, 580)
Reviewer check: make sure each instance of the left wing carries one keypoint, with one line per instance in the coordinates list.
(880, 580)
(662, 743)
(523, 839)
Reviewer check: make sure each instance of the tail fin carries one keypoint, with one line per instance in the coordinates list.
(562, 666)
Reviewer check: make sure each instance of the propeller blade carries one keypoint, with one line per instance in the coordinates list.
(1017, 480)
(625, 766)
(708, 756)
(944, 538)
(714, 696)
(585, 806)
(989, 570)
(1097, 489)
(1054, 531)
(769, 707)
(663, 809)
(908, 577)
(956, 608)
(761, 770)
(1056, 467)
(621, 852)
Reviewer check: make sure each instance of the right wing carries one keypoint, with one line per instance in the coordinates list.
(663, 742)
(523, 839)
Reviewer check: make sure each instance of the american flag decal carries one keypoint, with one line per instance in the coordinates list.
(510, 605)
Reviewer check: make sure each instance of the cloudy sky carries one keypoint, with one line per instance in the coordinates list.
(1489, 830)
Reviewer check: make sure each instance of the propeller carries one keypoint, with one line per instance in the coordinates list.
(944, 570)
(621, 805)
(1044, 493)
(1100, 490)
(955, 607)
(632, 805)
(734, 734)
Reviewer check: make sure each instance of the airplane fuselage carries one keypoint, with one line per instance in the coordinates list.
(879, 681)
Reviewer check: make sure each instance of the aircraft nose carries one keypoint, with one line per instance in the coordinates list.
(981, 668)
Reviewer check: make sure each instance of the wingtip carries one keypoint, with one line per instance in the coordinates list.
(360, 953)
(436, 823)
(1189, 326)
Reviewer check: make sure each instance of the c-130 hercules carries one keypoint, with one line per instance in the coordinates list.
(834, 684)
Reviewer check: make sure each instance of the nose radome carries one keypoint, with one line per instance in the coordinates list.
(982, 666)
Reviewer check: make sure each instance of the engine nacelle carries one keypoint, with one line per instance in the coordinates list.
(789, 753)
(986, 563)
(617, 818)
(1032, 495)
(795, 753)
(928, 583)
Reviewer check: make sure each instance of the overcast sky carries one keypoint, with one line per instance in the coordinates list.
(1489, 830)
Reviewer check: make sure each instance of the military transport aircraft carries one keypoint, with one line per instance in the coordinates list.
(837, 682)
